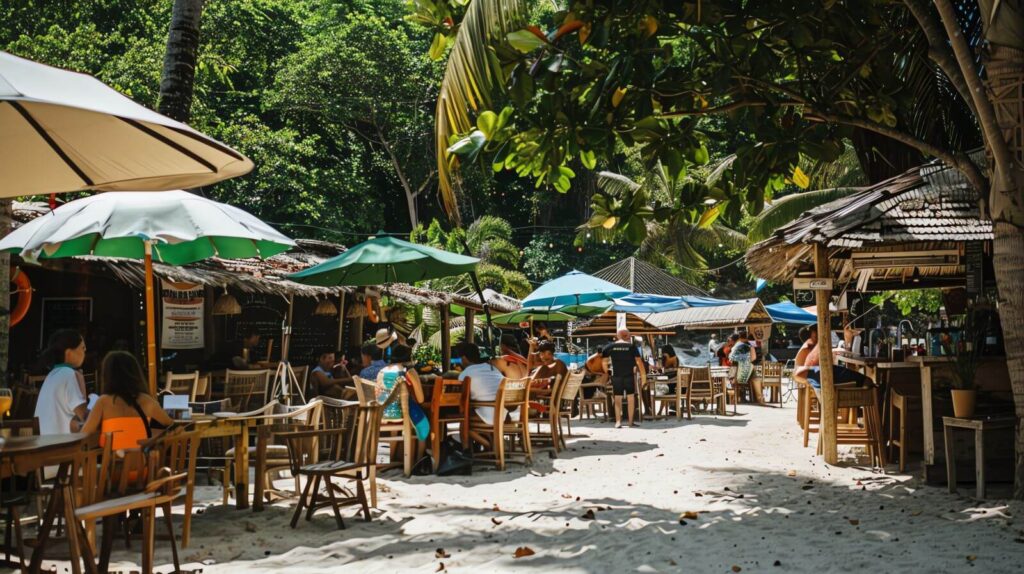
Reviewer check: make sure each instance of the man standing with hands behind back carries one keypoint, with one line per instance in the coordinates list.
(623, 356)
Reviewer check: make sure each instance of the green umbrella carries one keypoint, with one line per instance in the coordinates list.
(173, 227)
(516, 317)
(384, 260)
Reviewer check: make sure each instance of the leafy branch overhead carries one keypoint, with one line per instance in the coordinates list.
(582, 84)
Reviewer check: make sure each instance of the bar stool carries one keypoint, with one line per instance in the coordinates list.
(809, 412)
(904, 406)
(869, 433)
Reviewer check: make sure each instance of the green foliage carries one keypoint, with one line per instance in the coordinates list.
(490, 239)
(925, 301)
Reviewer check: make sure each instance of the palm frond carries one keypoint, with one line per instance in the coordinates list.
(792, 207)
(472, 76)
(616, 184)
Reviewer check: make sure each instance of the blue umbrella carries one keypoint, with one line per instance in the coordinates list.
(645, 303)
(574, 288)
(788, 312)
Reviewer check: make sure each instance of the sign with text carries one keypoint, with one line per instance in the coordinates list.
(813, 283)
(183, 308)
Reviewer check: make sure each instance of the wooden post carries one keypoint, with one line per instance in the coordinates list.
(446, 337)
(828, 391)
(150, 319)
(470, 317)
(341, 323)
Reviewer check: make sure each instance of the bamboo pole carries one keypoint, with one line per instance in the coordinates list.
(828, 391)
(446, 337)
(470, 332)
(150, 318)
(341, 324)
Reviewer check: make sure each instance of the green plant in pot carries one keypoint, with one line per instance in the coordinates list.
(965, 368)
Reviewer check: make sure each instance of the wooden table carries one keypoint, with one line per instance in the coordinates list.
(24, 454)
(979, 426)
(926, 364)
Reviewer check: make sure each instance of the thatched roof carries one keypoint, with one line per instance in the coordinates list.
(641, 277)
(928, 210)
(265, 276)
(746, 312)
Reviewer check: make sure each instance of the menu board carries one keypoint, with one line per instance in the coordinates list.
(64, 313)
(266, 315)
(803, 297)
(974, 260)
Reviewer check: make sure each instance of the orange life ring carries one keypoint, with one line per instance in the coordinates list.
(371, 314)
(24, 291)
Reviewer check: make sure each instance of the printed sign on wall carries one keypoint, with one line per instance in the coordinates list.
(183, 307)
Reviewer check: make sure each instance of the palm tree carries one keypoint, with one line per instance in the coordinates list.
(179, 73)
(623, 208)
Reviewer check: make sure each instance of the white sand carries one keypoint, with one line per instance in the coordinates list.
(761, 498)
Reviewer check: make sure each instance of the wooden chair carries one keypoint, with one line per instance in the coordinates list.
(546, 420)
(512, 394)
(564, 404)
(246, 389)
(268, 456)
(182, 384)
(677, 398)
(566, 400)
(810, 412)
(203, 387)
(597, 401)
(701, 389)
(14, 500)
(158, 493)
(393, 431)
(350, 460)
(25, 396)
(770, 374)
(449, 403)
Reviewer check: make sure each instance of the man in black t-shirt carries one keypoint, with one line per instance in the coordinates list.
(623, 356)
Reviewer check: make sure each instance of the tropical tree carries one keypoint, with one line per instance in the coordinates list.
(802, 77)
(179, 71)
(624, 208)
(490, 239)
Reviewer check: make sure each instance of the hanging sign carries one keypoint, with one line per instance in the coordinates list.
(813, 283)
(620, 321)
(183, 307)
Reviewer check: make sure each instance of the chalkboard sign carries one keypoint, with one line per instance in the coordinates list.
(803, 297)
(64, 313)
(266, 315)
(855, 308)
(974, 261)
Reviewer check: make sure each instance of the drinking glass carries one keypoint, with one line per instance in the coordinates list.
(6, 399)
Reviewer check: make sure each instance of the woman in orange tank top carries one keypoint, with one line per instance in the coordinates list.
(125, 409)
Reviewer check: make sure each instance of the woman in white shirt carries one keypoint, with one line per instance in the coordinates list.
(61, 407)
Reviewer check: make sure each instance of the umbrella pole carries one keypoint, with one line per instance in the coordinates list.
(483, 302)
(150, 319)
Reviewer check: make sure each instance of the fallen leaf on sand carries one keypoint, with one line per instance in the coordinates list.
(250, 527)
(971, 557)
(566, 496)
(854, 522)
(523, 551)
(495, 521)
(588, 515)
(736, 568)
(440, 567)
(440, 553)
(672, 563)
(791, 473)
(496, 509)
(689, 515)
(916, 513)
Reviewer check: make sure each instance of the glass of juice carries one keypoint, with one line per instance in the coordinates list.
(6, 399)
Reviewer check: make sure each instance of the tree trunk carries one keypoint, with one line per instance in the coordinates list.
(5, 290)
(1004, 66)
(178, 78)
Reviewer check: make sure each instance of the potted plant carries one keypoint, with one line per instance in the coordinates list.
(965, 367)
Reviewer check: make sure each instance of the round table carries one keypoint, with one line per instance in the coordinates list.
(24, 454)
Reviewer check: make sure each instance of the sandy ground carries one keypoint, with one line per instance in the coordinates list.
(755, 499)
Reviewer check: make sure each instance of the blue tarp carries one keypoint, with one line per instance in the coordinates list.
(645, 303)
(698, 301)
(788, 312)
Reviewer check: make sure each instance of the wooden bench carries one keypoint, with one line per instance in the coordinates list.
(979, 426)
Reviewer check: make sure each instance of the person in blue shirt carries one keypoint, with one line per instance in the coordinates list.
(372, 358)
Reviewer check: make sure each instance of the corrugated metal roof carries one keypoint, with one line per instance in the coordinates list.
(641, 277)
(747, 312)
